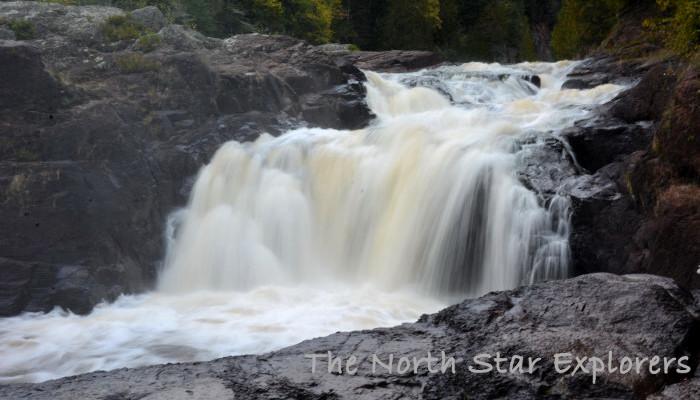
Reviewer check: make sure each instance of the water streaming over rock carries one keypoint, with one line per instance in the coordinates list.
(427, 196)
(321, 230)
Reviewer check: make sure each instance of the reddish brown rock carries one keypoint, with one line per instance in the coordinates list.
(678, 138)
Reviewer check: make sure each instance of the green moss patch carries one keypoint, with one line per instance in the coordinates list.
(134, 63)
(23, 29)
(121, 27)
(148, 42)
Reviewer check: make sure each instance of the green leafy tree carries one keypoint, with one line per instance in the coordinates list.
(681, 26)
(582, 25)
(309, 19)
(202, 15)
(361, 23)
(501, 32)
(265, 15)
(447, 36)
(411, 25)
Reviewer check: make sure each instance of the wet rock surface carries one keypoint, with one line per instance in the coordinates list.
(99, 140)
(384, 61)
(602, 141)
(394, 60)
(644, 145)
(634, 316)
(602, 69)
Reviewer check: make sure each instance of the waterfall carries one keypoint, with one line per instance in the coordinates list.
(425, 197)
(316, 231)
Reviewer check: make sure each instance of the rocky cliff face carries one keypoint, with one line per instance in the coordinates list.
(644, 146)
(100, 137)
(633, 316)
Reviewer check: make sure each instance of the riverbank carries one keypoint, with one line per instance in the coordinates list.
(588, 317)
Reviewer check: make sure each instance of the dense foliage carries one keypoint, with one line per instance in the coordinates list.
(485, 29)
(466, 29)
(501, 30)
(679, 26)
(121, 27)
(24, 30)
(583, 24)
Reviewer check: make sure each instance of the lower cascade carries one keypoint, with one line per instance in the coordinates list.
(315, 231)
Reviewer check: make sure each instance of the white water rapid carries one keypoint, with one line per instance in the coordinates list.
(320, 230)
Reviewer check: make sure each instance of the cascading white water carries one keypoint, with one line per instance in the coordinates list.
(321, 230)
(427, 196)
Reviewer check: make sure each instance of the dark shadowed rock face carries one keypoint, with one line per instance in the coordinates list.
(634, 316)
(602, 69)
(98, 140)
(394, 61)
(686, 389)
(644, 145)
(602, 141)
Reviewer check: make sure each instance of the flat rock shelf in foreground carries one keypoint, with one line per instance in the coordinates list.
(589, 316)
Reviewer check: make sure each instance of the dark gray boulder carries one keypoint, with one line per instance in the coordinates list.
(393, 60)
(685, 389)
(150, 17)
(26, 83)
(599, 70)
(589, 316)
(603, 140)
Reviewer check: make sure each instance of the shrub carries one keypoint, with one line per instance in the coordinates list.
(148, 42)
(134, 63)
(681, 28)
(121, 27)
(23, 29)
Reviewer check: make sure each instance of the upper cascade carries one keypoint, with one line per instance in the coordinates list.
(427, 196)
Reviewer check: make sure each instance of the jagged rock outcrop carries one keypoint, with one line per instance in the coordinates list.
(150, 17)
(664, 182)
(644, 145)
(393, 60)
(630, 316)
(100, 137)
(384, 61)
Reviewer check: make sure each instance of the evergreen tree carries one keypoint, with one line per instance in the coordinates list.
(411, 25)
(583, 24)
(365, 18)
(309, 19)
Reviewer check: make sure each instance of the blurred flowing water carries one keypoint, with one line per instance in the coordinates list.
(298, 236)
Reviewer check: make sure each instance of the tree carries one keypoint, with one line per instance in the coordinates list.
(265, 15)
(309, 19)
(682, 27)
(203, 15)
(447, 36)
(411, 25)
(501, 32)
(583, 24)
(364, 19)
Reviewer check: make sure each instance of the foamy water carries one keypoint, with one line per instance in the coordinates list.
(159, 328)
(319, 230)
